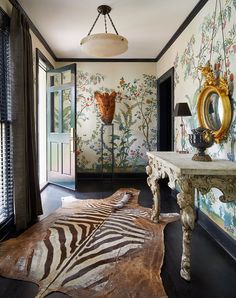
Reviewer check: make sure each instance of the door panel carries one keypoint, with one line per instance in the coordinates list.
(54, 154)
(62, 126)
(66, 164)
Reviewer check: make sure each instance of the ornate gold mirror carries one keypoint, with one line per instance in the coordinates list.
(213, 107)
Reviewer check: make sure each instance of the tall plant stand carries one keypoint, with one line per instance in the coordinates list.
(107, 146)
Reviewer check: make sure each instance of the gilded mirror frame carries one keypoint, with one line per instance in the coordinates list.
(219, 87)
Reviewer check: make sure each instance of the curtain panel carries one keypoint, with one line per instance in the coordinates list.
(25, 166)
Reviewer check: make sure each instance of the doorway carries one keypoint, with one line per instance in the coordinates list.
(165, 108)
(42, 66)
(56, 119)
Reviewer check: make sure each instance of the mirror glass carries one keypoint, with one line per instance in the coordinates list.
(213, 109)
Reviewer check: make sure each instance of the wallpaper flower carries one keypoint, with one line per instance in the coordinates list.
(197, 52)
(134, 124)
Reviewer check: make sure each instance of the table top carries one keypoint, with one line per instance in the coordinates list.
(183, 164)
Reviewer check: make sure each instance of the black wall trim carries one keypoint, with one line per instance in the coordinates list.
(116, 176)
(182, 27)
(189, 18)
(16, 4)
(169, 73)
(223, 239)
(105, 60)
(40, 55)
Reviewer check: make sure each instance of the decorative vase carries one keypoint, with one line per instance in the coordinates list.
(106, 103)
(201, 138)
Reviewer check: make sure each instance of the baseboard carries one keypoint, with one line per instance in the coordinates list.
(42, 187)
(219, 235)
(111, 176)
(222, 238)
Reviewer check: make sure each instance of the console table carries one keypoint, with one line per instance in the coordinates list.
(190, 175)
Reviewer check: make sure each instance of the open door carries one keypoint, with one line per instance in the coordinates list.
(61, 132)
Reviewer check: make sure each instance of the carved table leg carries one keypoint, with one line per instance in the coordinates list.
(152, 182)
(185, 200)
(156, 208)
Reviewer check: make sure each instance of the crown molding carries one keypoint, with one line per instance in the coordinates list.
(106, 60)
(182, 27)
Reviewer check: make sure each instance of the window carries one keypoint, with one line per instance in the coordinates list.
(6, 171)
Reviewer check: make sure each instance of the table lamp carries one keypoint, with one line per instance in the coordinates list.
(182, 110)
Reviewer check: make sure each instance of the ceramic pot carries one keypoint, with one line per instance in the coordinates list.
(201, 138)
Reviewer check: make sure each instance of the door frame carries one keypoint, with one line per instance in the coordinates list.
(169, 74)
(40, 55)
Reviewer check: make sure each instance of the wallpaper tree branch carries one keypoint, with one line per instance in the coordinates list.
(192, 49)
(135, 123)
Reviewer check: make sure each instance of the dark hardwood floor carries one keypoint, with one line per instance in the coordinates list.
(213, 270)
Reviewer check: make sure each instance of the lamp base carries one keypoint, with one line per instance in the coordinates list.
(182, 151)
(198, 157)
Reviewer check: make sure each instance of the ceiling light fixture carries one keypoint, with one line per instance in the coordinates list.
(104, 44)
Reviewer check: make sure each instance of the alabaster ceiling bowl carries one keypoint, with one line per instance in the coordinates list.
(104, 44)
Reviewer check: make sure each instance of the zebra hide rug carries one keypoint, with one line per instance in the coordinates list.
(91, 248)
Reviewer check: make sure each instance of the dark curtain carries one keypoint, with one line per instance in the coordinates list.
(26, 183)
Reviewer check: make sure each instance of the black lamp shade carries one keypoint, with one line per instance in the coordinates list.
(182, 109)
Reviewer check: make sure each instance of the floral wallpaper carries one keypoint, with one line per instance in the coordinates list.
(194, 51)
(134, 123)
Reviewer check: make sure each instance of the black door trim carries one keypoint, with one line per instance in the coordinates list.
(169, 74)
(39, 55)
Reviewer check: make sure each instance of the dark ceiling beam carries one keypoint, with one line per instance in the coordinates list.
(182, 27)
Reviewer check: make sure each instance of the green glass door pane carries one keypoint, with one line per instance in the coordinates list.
(66, 110)
(55, 104)
(66, 77)
(55, 80)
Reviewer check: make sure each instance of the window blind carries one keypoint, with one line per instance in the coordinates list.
(6, 171)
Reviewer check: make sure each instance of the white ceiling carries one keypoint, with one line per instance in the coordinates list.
(147, 24)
